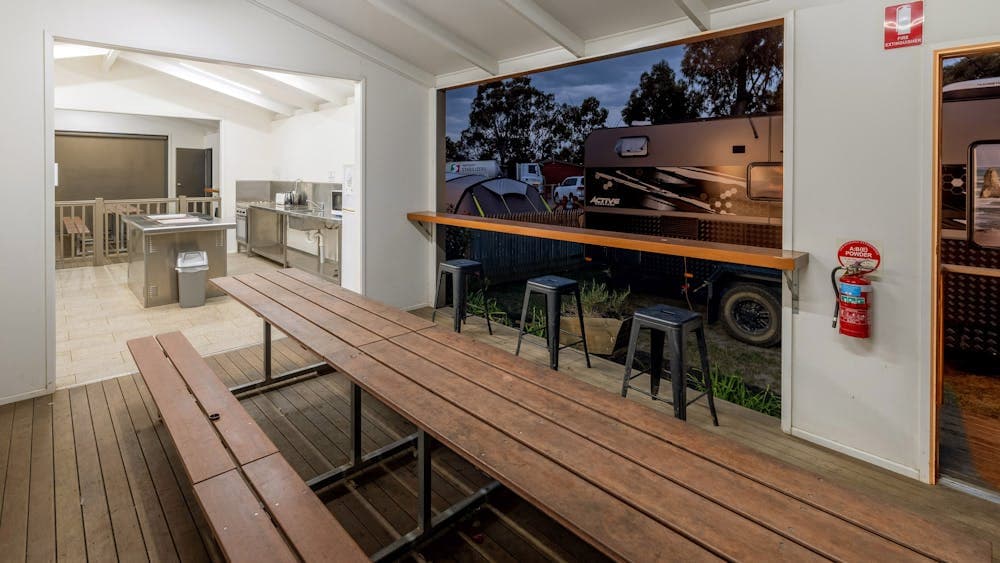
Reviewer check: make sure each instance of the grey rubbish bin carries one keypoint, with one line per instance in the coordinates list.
(192, 277)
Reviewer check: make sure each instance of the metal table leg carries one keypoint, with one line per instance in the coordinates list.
(291, 376)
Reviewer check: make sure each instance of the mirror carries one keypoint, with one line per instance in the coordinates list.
(984, 200)
(765, 181)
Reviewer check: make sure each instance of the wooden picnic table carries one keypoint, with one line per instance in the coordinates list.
(634, 482)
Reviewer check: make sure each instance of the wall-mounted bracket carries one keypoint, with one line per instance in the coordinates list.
(792, 280)
(426, 228)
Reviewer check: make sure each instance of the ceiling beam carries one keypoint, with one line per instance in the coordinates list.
(337, 35)
(697, 12)
(418, 20)
(549, 25)
(305, 85)
(205, 79)
(109, 60)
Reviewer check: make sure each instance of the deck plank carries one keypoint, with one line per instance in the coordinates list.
(41, 497)
(93, 495)
(14, 515)
(152, 522)
(70, 537)
(129, 542)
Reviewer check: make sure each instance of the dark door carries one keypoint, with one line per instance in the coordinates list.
(194, 172)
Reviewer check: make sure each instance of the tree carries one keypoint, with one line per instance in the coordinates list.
(510, 121)
(737, 74)
(972, 68)
(574, 124)
(454, 150)
(661, 97)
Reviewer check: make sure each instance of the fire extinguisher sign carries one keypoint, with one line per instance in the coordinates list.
(859, 255)
(904, 25)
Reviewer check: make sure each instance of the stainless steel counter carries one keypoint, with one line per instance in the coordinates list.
(152, 253)
(268, 225)
(204, 223)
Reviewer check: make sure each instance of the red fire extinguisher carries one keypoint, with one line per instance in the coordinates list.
(854, 301)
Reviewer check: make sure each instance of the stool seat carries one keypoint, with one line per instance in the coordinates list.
(551, 283)
(667, 316)
(461, 265)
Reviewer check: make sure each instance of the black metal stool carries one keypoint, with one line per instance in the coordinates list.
(674, 324)
(553, 287)
(459, 270)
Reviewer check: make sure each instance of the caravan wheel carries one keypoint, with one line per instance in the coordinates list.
(751, 313)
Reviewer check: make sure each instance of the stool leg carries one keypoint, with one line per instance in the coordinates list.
(678, 380)
(583, 330)
(656, 338)
(630, 357)
(437, 295)
(552, 310)
(458, 298)
(703, 352)
(524, 320)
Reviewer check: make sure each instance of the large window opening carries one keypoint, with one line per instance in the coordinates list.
(682, 141)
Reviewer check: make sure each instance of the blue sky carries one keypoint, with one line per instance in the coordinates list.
(611, 81)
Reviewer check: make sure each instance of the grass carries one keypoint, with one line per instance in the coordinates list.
(730, 387)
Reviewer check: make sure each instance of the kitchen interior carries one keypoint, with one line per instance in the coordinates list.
(170, 172)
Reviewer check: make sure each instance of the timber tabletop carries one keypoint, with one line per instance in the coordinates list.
(785, 260)
(634, 482)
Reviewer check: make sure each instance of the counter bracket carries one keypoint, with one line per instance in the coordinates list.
(426, 228)
(792, 280)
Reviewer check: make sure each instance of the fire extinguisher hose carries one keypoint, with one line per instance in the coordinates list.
(836, 294)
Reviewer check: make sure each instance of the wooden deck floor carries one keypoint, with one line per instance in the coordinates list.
(86, 473)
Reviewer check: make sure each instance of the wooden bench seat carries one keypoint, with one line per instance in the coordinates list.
(254, 501)
(636, 484)
(75, 226)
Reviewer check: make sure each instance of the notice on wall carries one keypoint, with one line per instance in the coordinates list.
(904, 25)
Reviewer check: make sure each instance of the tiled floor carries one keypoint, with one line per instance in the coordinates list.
(96, 315)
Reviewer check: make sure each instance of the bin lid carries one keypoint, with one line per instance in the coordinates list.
(192, 259)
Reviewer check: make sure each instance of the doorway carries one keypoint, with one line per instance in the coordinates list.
(967, 258)
(194, 172)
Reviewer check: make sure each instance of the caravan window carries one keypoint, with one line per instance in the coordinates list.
(632, 146)
(984, 200)
(765, 181)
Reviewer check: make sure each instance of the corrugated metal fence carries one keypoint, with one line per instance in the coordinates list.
(512, 257)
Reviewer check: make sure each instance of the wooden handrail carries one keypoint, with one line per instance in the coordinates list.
(786, 260)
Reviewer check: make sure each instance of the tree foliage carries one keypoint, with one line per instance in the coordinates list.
(737, 74)
(661, 97)
(574, 123)
(512, 121)
(972, 68)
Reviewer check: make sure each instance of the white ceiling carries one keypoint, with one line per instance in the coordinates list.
(281, 94)
(444, 37)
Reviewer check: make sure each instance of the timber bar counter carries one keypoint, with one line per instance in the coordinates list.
(789, 262)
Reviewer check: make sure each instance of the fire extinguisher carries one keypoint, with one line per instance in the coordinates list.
(854, 301)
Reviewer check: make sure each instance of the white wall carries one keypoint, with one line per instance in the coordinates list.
(180, 133)
(313, 146)
(222, 30)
